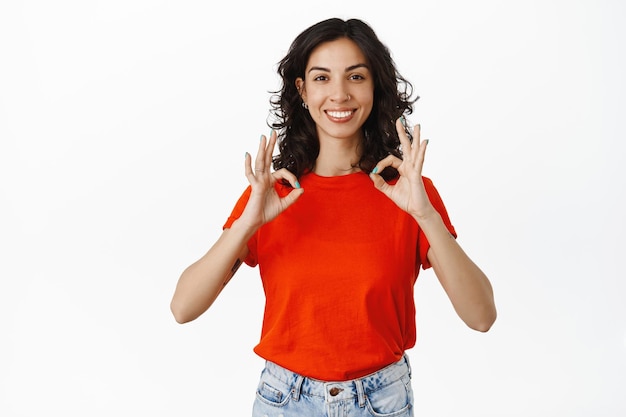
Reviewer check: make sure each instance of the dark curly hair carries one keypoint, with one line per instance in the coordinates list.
(298, 143)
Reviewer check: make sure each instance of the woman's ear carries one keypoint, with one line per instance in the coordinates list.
(301, 89)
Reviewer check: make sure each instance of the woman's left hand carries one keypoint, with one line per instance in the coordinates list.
(466, 285)
(408, 192)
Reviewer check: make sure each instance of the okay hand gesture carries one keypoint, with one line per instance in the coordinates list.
(264, 203)
(408, 192)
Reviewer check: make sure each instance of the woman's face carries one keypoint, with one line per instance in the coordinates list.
(338, 88)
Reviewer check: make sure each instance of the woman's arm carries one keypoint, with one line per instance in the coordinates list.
(201, 282)
(467, 286)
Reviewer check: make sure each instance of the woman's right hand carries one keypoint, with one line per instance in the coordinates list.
(201, 282)
(264, 203)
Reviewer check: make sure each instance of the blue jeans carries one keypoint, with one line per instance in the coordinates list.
(386, 393)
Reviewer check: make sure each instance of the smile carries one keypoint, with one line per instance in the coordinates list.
(340, 114)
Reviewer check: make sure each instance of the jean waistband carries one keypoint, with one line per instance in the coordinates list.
(341, 390)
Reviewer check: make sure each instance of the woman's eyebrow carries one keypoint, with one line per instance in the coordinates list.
(353, 67)
(350, 68)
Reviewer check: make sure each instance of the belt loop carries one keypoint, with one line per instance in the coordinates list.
(408, 363)
(297, 387)
(360, 392)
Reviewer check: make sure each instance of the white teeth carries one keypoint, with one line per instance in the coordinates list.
(339, 114)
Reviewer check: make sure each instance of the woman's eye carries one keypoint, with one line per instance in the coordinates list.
(357, 77)
(320, 78)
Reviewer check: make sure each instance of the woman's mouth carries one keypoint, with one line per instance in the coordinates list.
(339, 116)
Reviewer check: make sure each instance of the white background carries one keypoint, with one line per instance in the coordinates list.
(123, 128)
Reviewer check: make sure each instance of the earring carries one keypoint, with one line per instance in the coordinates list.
(306, 106)
(348, 97)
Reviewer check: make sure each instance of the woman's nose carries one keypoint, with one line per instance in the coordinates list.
(340, 94)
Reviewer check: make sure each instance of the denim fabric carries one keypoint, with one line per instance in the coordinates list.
(386, 393)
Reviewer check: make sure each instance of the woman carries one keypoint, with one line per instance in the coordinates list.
(339, 231)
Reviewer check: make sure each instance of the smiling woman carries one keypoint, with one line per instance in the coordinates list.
(338, 262)
(339, 94)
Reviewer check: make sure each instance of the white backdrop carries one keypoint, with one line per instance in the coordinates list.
(123, 128)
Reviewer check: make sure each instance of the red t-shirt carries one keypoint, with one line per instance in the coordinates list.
(338, 268)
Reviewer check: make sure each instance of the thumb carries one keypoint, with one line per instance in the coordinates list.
(379, 182)
(291, 198)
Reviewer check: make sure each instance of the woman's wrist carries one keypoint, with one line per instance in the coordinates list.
(426, 216)
(243, 228)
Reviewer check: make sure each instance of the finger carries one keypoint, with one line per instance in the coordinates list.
(422, 150)
(379, 182)
(259, 162)
(269, 150)
(405, 143)
(417, 141)
(291, 198)
(390, 160)
(420, 146)
(285, 174)
(248, 168)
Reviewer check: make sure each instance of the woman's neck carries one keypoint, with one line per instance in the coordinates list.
(337, 157)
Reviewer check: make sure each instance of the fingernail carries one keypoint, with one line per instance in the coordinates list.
(375, 170)
(246, 154)
(426, 140)
(297, 184)
(403, 121)
(261, 138)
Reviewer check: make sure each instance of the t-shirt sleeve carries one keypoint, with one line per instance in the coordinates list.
(422, 241)
(251, 259)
